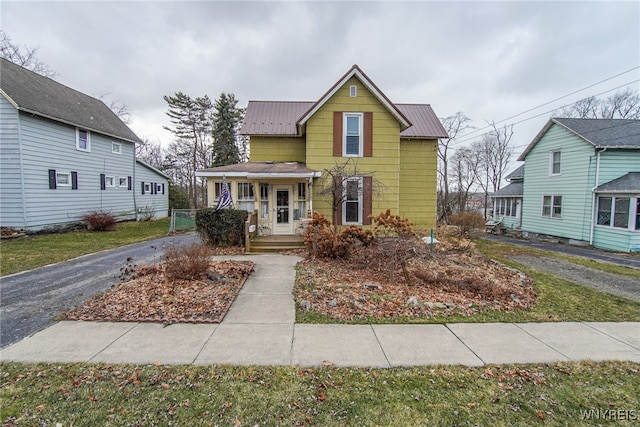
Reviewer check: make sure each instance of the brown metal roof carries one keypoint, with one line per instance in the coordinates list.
(261, 170)
(278, 118)
(425, 122)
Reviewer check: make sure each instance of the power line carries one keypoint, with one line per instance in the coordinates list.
(466, 137)
(556, 99)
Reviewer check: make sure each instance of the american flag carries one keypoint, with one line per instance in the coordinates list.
(225, 198)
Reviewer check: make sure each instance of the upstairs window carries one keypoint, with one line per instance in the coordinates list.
(353, 91)
(83, 140)
(554, 162)
(352, 135)
(116, 148)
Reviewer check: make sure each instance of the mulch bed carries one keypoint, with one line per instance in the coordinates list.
(150, 297)
(454, 280)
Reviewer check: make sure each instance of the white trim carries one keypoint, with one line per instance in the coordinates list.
(113, 148)
(360, 117)
(126, 181)
(61, 184)
(88, 147)
(113, 181)
(353, 91)
(262, 175)
(551, 215)
(360, 201)
(551, 163)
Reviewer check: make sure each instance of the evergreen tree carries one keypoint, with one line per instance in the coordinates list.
(191, 120)
(226, 122)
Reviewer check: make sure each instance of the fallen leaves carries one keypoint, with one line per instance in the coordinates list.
(151, 297)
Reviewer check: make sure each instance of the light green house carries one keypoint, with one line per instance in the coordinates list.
(293, 144)
(582, 183)
(507, 202)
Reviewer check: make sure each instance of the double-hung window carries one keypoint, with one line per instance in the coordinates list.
(218, 190)
(245, 196)
(83, 140)
(300, 210)
(552, 206)
(353, 191)
(264, 200)
(555, 158)
(116, 148)
(352, 134)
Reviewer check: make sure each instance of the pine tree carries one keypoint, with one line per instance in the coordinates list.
(226, 122)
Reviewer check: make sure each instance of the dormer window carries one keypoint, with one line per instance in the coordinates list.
(83, 140)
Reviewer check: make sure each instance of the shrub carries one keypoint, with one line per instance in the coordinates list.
(221, 228)
(186, 262)
(100, 220)
(147, 213)
(387, 225)
(467, 222)
(178, 198)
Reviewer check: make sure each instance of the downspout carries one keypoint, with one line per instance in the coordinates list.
(593, 196)
(134, 184)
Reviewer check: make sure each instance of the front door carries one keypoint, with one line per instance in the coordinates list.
(283, 218)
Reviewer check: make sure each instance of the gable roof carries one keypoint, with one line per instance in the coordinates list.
(286, 118)
(601, 133)
(34, 94)
(627, 183)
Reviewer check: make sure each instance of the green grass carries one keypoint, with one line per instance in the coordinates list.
(559, 300)
(115, 395)
(35, 251)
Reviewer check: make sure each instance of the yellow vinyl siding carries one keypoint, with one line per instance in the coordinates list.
(385, 162)
(418, 176)
(277, 149)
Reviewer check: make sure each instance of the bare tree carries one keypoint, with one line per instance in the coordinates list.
(624, 104)
(119, 108)
(151, 153)
(464, 172)
(454, 125)
(333, 184)
(24, 56)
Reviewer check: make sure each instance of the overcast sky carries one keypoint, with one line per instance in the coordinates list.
(491, 60)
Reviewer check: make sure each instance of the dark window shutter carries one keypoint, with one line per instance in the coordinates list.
(103, 181)
(339, 195)
(367, 199)
(368, 134)
(142, 186)
(74, 180)
(52, 179)
(337, 134)
(129, 183)
(163, 188)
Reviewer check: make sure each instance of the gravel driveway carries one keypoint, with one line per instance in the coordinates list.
(615, 284)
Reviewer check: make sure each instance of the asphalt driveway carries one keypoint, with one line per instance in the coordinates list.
(30, 301)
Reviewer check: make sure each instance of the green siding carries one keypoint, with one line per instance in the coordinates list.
(574, 184)
(615, 239)
(277, 149)
(418, 177)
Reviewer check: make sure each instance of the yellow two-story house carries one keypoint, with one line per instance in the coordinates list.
(293, 146)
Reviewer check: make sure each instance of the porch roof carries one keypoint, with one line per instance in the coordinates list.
(515, 189)
(261, 170)
(628, 183)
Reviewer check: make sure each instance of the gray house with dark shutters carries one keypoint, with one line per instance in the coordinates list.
(62, 154)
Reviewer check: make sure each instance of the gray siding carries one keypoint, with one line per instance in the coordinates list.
(11, 202)
(152, 200)
(51, 145)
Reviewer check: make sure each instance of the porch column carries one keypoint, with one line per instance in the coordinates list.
(310, 210)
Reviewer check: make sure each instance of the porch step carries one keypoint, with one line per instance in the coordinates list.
(274, 244)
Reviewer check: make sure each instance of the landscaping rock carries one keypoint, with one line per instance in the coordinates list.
(333, 303)
(413, 302)
(372, 286)
(305, 305)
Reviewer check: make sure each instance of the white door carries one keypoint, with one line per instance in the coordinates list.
(283, 218)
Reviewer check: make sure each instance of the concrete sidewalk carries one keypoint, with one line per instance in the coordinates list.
(260, 329)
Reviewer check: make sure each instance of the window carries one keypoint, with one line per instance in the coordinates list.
(116, 148)
(264, 200)
(637, 227)
(147, 188)
(352, 212)
(110, 181)
(300, 210)
(83, 140)
(123, 181)
(552, 206)
(615, 212)
(218, 189)
(245, 196)
(352, 134)
(63, 179)
(353, 91)
(554, 162)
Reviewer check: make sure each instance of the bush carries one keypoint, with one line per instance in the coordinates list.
(178, 198)
(100, 221)
(324, 240)
(186, 262)
(467, 222)
(387, 225)
(221, 228)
